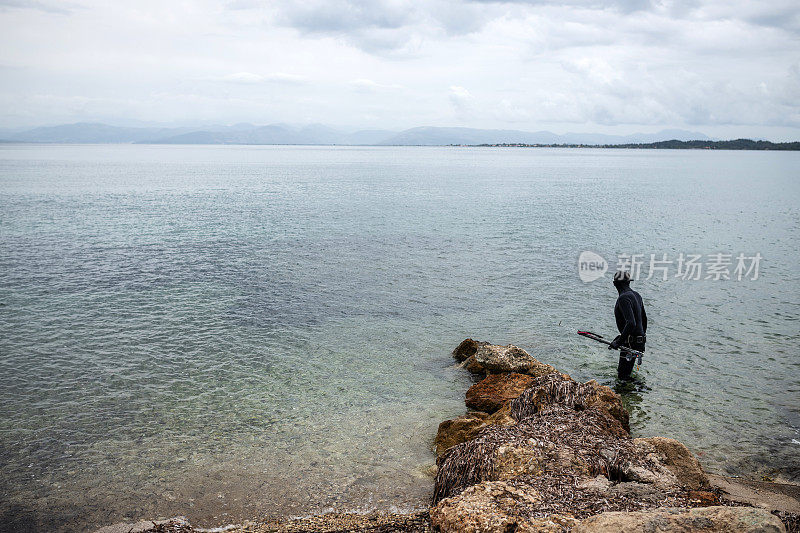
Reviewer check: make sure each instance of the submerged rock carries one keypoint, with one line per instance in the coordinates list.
(720, 519)
(484, 358)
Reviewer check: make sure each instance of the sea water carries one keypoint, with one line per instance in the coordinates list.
(232, 332)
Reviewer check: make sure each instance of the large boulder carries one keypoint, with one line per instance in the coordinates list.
(484, 358)
(494, 390)
(561, 390)
(720, 519)
(485, 507)
(557, 442)
(667, 464)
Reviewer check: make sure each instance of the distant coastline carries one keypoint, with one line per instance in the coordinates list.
(737, 144)
(322, 135)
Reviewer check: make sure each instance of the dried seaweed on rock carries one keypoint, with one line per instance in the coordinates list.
(547, 390)
(591, 437)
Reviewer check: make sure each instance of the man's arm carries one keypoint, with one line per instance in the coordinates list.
(644, 319)
(626, 308)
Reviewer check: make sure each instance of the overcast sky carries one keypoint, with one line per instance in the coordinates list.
(723, 67)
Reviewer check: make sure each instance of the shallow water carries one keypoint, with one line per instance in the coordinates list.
(230, 332)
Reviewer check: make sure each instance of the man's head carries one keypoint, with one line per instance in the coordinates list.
(622, 278)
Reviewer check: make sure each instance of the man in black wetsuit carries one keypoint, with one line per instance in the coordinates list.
(631, 322)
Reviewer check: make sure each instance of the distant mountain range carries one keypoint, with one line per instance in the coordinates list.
(84, 132)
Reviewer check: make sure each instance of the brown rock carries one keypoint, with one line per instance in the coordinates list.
(466, 349)
(604, 397)
(560, 390)
(554, 523)
(502, 417)
(458, 430)
(486, 507)
(494, 390)
(557, 442)
(668, 454)
(513, 461)
(466, 427)
(672, 520)
(703, 498)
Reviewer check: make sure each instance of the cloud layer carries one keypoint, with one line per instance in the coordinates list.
(588, 65)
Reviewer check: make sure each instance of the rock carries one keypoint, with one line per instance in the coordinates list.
(513, 461)
(502, 417)
(603, 397)
(494, 390)
(650, 471)
(672, 520)
(466, 427)
(179, 524)
(485, 358)
(561, 390)
(597, 484)
(703, 498)
(667, 464)
(458, 430)
(553, 523)
(486, 507)
(466, 349)
(640, 492)
(555, 443)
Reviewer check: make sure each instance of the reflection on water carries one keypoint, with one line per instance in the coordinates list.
(232, 332)
(632, 392)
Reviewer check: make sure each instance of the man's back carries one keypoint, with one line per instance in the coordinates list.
(630, 314)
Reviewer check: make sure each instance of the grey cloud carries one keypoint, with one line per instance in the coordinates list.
(625, 6)
(385, 27)
(346, 15)
(62, 8)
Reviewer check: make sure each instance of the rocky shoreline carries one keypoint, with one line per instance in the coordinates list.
(540, 452)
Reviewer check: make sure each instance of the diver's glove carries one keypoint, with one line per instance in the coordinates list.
(616, 343)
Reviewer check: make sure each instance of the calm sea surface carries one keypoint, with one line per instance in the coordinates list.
(230, 332)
